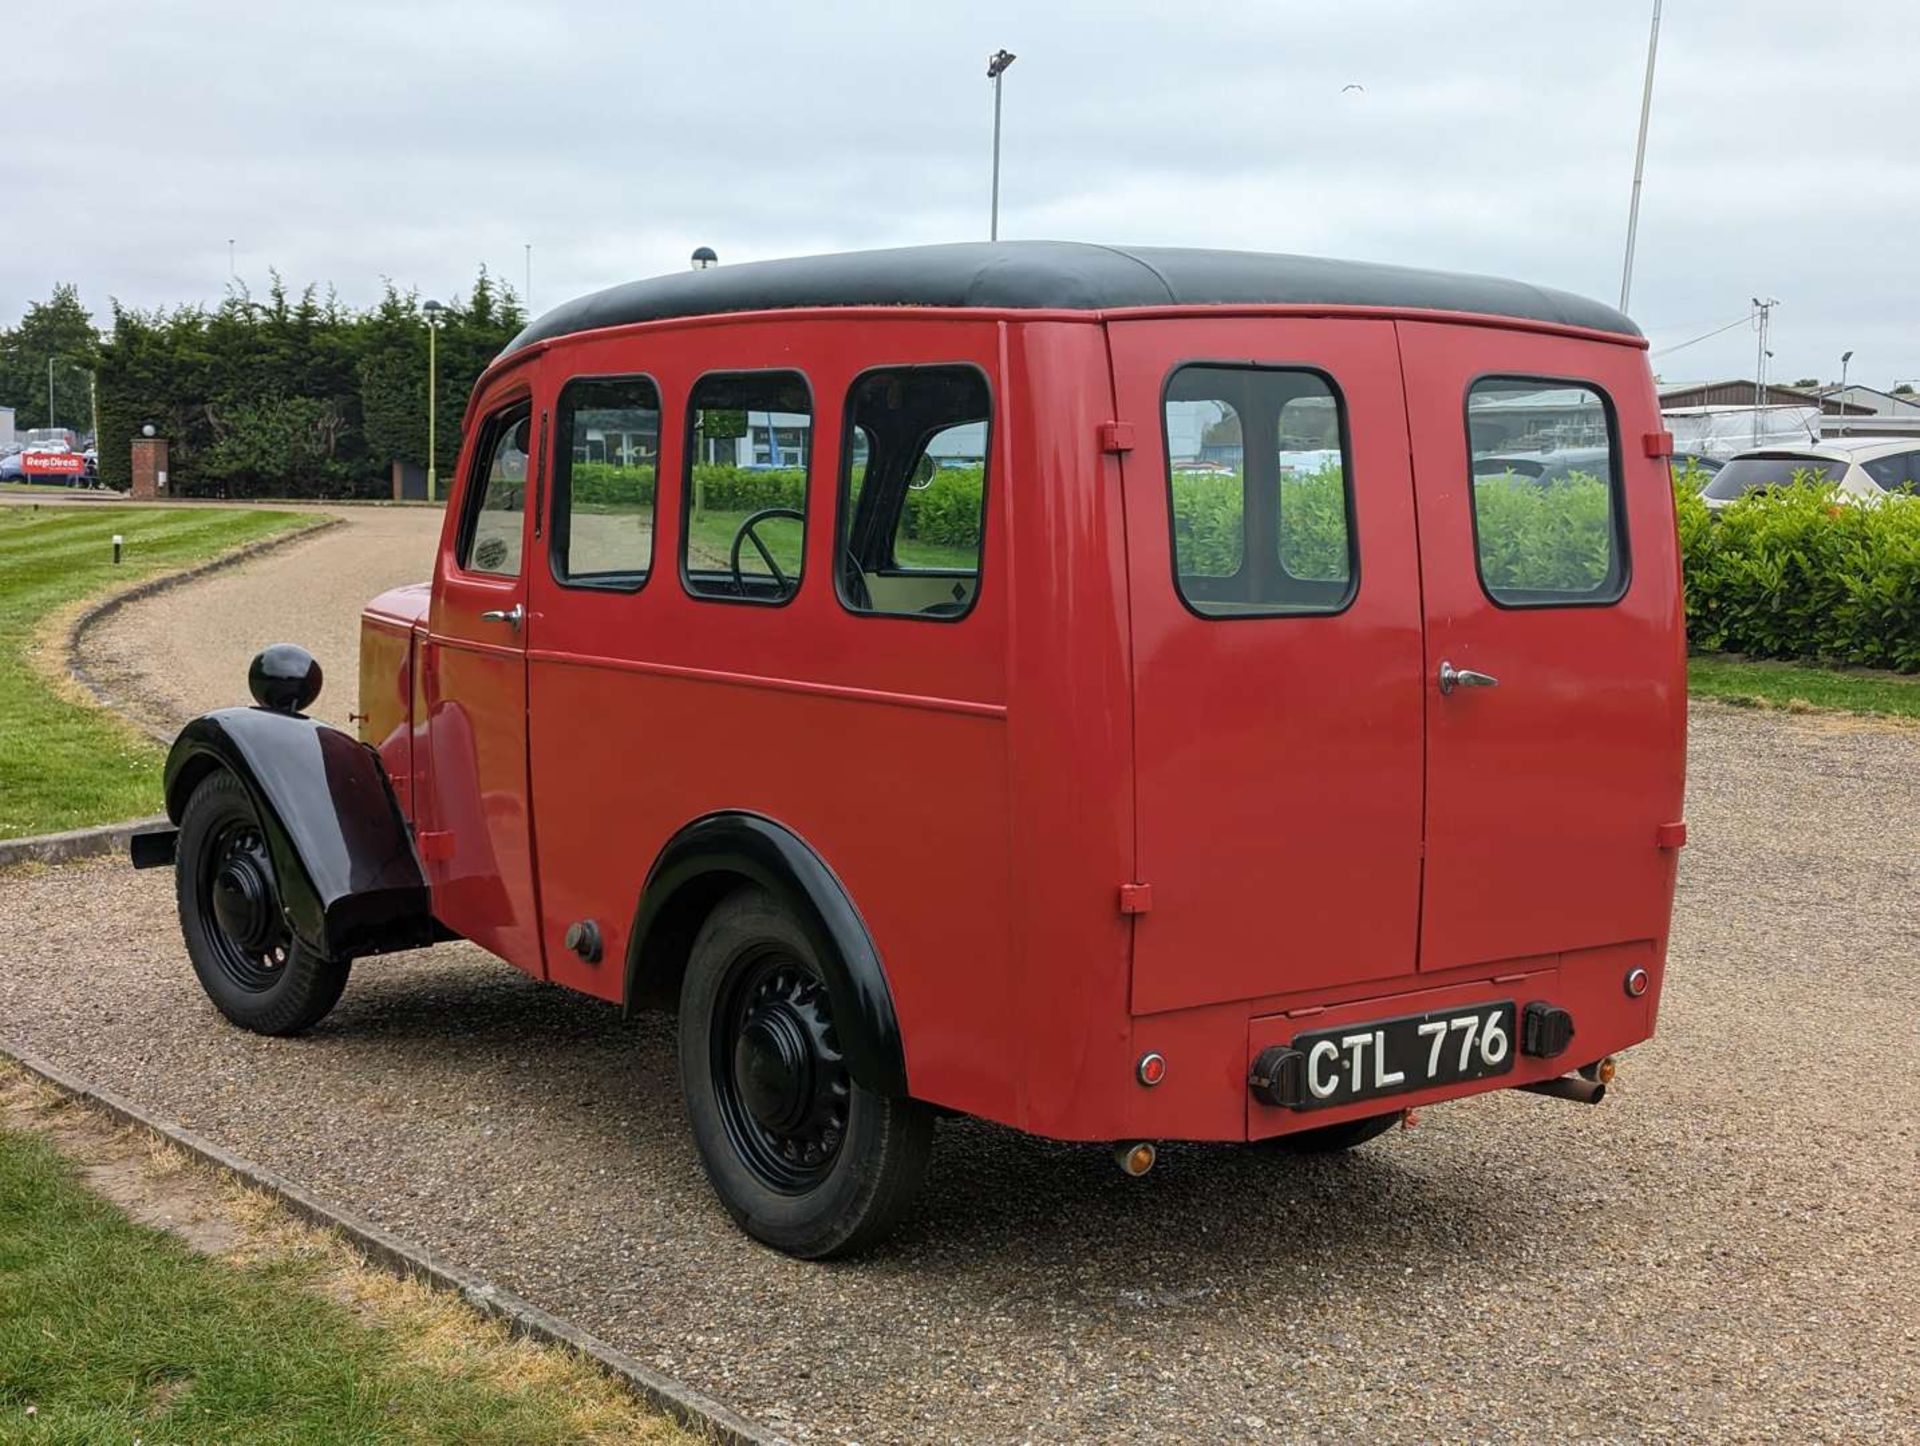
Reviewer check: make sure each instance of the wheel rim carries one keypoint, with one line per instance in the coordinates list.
(240, 908)
(778, 1073)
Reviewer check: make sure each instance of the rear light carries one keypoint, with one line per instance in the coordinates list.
(1136, 1160)
(1637, 981)
(1151, 1069)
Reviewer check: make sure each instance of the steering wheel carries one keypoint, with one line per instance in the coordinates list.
(745, 533)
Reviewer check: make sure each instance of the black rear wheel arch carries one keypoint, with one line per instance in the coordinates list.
(719, 853)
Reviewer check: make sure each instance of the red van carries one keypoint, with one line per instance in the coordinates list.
(1126, 694)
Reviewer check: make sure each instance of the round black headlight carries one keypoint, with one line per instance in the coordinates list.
(284, 677)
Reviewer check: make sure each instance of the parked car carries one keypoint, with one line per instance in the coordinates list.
(1083, 793)
(1546, 468)
(13, 467)
(1864, 469)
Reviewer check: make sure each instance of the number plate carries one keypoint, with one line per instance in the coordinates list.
(1392, 1056)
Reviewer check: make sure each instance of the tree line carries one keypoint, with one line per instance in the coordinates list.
(291, 394)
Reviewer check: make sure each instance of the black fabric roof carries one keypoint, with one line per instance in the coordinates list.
(1070, 275)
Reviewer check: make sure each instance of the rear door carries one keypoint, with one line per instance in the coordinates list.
(1275, 591)
(1547, 784)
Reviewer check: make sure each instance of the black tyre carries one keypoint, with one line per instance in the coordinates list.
(253, 969)
(805, 1158)
(1331, 1139)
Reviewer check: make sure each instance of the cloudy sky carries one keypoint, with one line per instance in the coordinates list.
(351, 142)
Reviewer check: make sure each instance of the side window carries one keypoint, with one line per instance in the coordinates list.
(604, 482)
(1262, 502)
(1547, 520)
(496, 503)
(913, 491)
(1898, 473)
(749, 448)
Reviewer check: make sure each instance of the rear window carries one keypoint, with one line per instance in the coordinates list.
(1261, 501)
(1554, 534)
(1756, 474)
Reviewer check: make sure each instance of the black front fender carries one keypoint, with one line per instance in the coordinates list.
(342, 855)
(722, 850)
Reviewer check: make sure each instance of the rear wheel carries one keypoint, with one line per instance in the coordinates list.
(1331, 1139)
(253, 969)
(803, 1156)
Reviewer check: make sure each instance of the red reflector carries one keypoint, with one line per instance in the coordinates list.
(1151, 1069)
(1670, 835)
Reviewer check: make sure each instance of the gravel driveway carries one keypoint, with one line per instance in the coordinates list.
(185, 651)
(1728, 1248)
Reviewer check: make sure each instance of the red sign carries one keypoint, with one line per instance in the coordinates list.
(53, 464)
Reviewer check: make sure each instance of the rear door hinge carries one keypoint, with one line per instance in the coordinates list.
(434, 845)
(1136, 898)
(1116, 436)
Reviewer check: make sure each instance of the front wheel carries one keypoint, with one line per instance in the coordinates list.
(804, 1157)
(253, 969)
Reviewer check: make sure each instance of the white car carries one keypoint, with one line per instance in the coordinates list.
(1865, 469)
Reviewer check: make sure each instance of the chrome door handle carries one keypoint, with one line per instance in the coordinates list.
(510, 616)
(1452, 677)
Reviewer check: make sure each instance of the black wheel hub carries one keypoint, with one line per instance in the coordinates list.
(240, 907)
(782, 1083)
(243, 901)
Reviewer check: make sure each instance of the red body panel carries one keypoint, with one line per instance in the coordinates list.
(1320, 838)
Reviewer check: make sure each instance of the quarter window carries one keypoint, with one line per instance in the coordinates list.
(750, 443)
(1898, 473)
(913, 491)
(490, 541)
(1545, 486)
(604, 482)
(1262, 502)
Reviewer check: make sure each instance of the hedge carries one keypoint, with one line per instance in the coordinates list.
(1795, 572)
(946, 511)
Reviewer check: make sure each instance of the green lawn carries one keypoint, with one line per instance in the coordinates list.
(110, 1331)
(63, 764)
(1852, 690)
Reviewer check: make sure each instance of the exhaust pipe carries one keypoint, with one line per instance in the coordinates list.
(1580, 1090)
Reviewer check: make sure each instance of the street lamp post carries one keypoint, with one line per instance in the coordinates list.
(1639, 160)
(997, 64)
(433, 310)
(1845, 357)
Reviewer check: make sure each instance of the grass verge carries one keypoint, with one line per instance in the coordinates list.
(1804, 685)
(63, 763)
(114, 1331)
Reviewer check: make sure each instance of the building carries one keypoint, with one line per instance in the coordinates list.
(1738, 393)
(6, 428)
(1877, 402)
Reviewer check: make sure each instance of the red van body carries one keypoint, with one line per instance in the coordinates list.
(1136, 865)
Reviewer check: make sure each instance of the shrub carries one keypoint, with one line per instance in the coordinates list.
(1796, 573)
(1543, 538)
(609, 487)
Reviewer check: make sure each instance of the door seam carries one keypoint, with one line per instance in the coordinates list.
(1426, 701)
